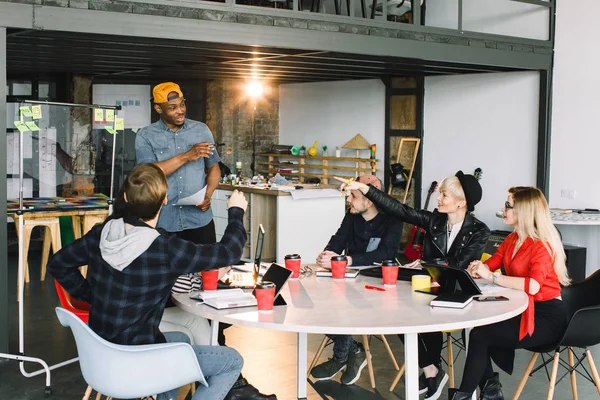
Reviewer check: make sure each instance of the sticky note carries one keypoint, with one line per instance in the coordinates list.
(25, 111)
(119, 124)
(36, 111)
(110, 115)
(31, 125)
(98, 115)
(110, 130)
(21, 126)
(134, 130)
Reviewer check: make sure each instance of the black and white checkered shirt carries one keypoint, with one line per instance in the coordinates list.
(127, 305)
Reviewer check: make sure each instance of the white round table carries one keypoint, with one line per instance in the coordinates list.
(321, 305)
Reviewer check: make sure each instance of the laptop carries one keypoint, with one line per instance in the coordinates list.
(234, 298)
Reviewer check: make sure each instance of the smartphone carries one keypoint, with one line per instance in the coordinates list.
(491, 298)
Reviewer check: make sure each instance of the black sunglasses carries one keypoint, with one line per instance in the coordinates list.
(508, 206)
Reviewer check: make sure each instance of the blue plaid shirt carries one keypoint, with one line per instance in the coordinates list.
(157, 142)
(127, 306)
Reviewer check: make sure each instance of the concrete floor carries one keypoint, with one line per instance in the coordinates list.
(270, 359)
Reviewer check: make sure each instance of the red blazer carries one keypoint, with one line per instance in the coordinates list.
(532, 261)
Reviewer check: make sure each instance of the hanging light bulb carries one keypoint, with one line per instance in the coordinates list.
(254, 89)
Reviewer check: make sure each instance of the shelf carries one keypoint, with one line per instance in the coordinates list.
(326, 165)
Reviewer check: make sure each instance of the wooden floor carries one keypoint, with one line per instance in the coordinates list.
(269, 357)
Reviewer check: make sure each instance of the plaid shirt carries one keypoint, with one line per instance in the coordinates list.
(127, 306)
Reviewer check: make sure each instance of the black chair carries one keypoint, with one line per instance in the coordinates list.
(582, 300)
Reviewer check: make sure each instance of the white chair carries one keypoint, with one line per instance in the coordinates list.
(131, 371)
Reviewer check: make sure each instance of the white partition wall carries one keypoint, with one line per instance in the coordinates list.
(332, 113)
(488, 121)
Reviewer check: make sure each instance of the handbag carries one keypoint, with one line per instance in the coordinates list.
(399, 175)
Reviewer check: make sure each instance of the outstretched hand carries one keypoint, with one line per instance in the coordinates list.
(237, 199)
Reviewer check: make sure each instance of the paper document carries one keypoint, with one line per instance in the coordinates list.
(194, 199)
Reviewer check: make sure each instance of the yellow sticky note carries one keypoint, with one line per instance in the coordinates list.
(110, 115)
(98, 115)
(31, 125)
(110, 130)
(36, 111)
(119, 124)
(25, 111)
(21, 126)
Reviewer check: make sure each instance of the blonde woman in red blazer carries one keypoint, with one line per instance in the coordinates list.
(533, 260)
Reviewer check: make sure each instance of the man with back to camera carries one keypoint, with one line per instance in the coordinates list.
(367, 236)
(184, 150)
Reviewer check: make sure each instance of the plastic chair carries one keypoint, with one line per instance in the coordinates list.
(80, 308)
(326, 341)
(131, 371)
(582, 301)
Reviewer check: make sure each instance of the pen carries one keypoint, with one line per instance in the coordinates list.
(374, 288)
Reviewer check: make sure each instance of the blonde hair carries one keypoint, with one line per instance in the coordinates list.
(533, 220)
(452, 185)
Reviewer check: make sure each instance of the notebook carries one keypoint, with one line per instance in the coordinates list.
(452, 300)
(350, 273)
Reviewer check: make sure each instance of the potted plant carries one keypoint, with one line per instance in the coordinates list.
(324, 150)
(302, 151)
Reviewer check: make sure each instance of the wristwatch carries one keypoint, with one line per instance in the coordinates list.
(495, 277)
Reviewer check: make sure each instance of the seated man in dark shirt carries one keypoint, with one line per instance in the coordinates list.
(132, 267)
(367, 236)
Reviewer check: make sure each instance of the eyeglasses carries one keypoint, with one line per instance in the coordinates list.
(508, 206)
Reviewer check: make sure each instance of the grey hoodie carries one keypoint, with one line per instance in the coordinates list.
(120, 245)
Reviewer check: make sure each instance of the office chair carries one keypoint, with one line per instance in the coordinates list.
(131, 371)
(582, 301)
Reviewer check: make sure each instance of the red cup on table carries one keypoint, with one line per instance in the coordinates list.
(389, 271)
(210, 279)
(265, 296)
(338, 267)
(292, 262)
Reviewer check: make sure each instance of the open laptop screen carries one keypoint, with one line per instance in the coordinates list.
(258, 253)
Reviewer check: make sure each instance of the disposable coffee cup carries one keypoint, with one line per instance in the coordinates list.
(389, 272)
(292, 262)
(210, 279)
(265, 296)
(420, 282)
(338, 267)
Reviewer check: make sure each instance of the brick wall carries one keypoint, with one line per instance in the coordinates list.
(229, 117)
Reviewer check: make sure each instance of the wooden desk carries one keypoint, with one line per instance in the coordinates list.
(321, 305)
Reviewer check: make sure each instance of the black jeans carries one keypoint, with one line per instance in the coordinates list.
(502, 338)
(430, 347)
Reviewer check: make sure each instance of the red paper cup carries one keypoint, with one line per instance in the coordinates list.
(390, 275)
(292, 262)
(338, 267)
(265, 296)
(209, 279)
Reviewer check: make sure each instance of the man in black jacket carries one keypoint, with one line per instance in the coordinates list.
(365, 236)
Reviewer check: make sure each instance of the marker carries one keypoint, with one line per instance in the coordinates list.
(374, 288)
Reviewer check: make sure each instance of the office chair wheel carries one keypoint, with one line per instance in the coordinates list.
(48, 391)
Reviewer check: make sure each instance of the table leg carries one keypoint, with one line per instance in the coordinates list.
(302, 363)
(214, 333)
(411, 360)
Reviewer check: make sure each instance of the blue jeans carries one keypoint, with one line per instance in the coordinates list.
(220, 365)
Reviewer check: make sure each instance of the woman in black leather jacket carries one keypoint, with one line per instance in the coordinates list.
(454, 235)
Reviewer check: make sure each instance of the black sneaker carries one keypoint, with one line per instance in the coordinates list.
(356, 362)
(422, 384)
(436, 384)
(328, 369)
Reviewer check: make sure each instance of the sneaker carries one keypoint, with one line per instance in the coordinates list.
(422, 384)
(328, 369)
(356, 362)
(436, 384)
